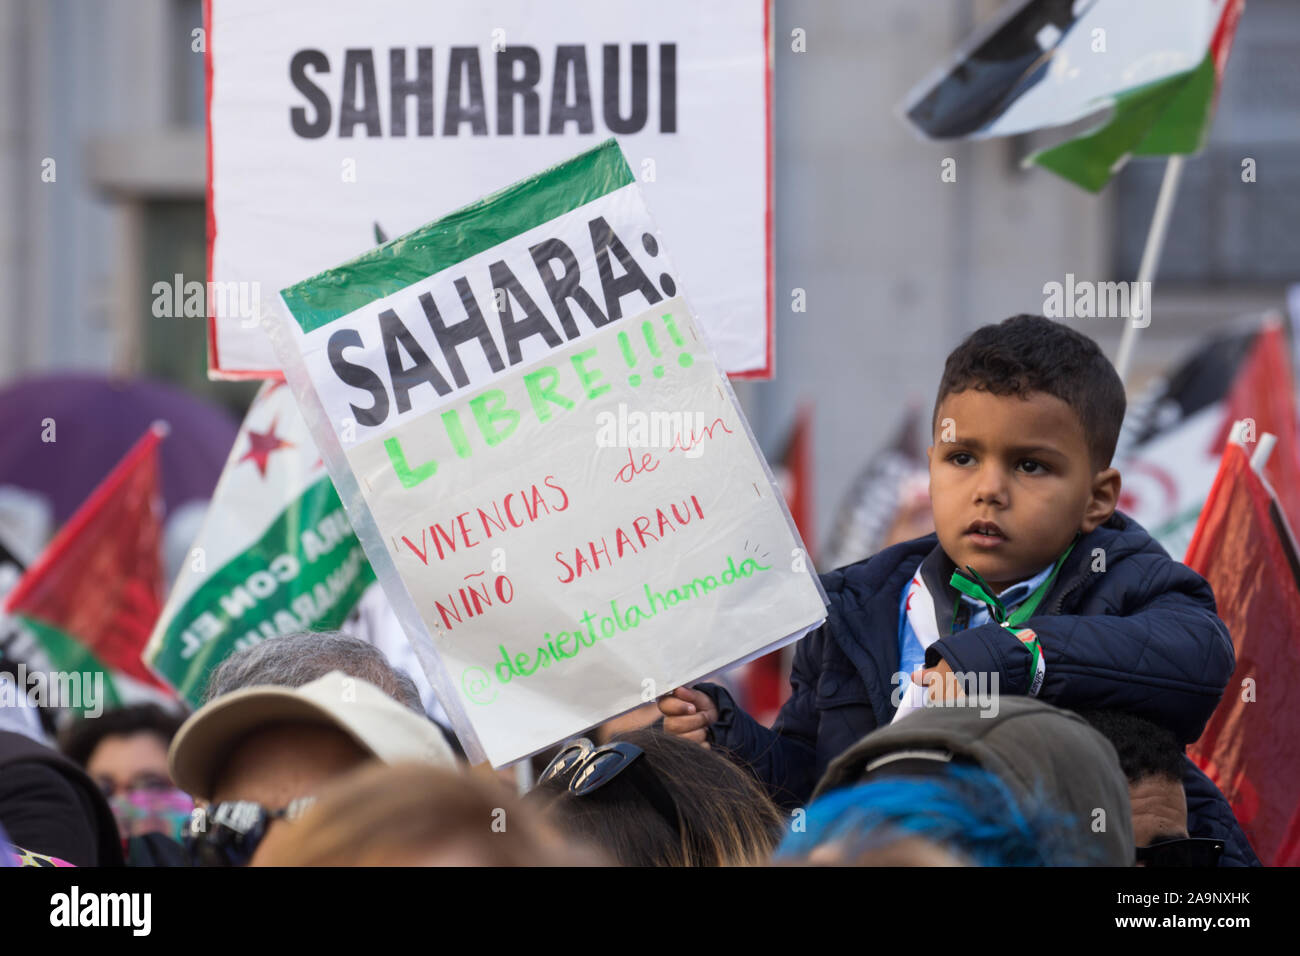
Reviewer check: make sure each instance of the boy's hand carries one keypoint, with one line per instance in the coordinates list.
(688, 713)
(939, 682)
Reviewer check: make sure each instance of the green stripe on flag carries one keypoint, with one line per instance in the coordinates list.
(1185, 121)
(331, 583)
(69, 655)
(440, 244)
(1160, 119)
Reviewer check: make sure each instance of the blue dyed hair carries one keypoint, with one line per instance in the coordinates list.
(966, 810)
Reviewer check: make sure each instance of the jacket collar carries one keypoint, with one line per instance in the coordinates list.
(936, 572)
(1118, 533)
(868, 598)
(870, 592)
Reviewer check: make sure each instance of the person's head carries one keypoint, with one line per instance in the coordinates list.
(1044, 755)
(1152, 762)
(255, 755)
(125, 752)
(293, 660)
(281, 768)
(1025, 425)
(650, 799)
(417, 815)
(123, 748)
(951, 816)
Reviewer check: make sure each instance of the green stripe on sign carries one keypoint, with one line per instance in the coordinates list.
(333, 583)
(466, 232)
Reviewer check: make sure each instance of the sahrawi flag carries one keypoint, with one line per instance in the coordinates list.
(276, 553)
(86, 605)
(1174, 438)
(1151, 68)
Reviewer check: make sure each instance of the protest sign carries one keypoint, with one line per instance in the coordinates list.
(547, 469)
(275, 555)
(328, 121)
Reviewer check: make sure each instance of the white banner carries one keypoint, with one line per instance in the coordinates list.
(330, 123)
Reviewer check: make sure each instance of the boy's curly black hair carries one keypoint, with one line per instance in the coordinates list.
(1029, 353)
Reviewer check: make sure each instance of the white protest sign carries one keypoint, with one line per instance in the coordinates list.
(547, 469)
(330, 121)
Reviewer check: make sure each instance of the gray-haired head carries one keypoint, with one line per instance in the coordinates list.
(293, 660)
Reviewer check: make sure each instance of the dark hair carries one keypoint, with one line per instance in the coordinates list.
(1028, 353)
(293, 660)
(967, 811)
(80, 738)
(1145, 749)
(726, 818)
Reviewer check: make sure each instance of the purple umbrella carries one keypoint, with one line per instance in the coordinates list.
(95, 421)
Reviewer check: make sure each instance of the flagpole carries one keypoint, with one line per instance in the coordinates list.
(1263, 450)
(1150, 258)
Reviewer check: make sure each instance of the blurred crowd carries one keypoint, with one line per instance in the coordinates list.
(328, 758)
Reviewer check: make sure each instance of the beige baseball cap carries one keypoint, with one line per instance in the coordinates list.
(379, 725)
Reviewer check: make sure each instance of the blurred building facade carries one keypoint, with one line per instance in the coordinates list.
(898, 265)
(895, 265)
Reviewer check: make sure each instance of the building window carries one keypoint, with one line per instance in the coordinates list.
(1225, 230)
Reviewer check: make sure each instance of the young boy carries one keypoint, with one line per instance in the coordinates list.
(1097, 615)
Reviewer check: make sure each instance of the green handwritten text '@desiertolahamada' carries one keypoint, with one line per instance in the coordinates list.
(480, 687)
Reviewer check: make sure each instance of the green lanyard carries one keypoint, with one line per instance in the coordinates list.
(975, 586)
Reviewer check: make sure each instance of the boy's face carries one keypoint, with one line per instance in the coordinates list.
(1011, 482)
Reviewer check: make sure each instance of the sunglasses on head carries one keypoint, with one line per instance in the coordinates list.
(1187, 851)
(593, 767)
(228, 834)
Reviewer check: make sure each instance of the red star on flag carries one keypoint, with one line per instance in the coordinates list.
(261, 444)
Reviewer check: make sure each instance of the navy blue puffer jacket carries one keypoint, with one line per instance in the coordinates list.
(1140, 636)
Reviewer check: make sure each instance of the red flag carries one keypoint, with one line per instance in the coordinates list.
(92, 596)
(1251, 746)
(795, 475)
(1264, 393)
